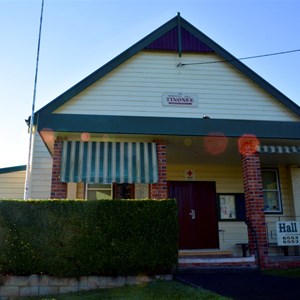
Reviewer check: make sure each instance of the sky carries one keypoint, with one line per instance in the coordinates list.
(79, 36)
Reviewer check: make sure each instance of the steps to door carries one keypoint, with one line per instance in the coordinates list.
(206, 253)
(213, 259)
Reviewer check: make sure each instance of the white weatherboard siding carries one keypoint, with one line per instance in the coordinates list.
(12, 185)
(288, 209)
(41, 173)
(136, 87)
(295, 178)
(229, 180)
(232, 233)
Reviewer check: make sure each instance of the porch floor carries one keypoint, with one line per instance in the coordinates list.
(194, 261)
(285, 261)
(204, 253)
(212, 259)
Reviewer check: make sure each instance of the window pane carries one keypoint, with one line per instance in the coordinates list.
(271, 201)
(269, 180)
(123, 191)
(99, 186)
(141, 191)
(98, 195)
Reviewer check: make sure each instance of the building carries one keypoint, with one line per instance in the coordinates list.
(176, 115)
(12, 181)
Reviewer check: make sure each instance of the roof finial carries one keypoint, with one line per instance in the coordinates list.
(179, 35)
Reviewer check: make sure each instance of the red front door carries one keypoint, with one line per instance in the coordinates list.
(198, 223)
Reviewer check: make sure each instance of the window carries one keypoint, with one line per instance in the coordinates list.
(123, 191)
(117, 191)
(98, 191)
(271, 190)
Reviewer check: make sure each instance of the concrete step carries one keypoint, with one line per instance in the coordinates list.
(220, 269)
(212, 263)
(204, 253)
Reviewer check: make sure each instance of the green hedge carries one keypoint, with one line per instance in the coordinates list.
(76, 238)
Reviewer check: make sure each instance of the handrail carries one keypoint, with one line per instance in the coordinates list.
(248, 223)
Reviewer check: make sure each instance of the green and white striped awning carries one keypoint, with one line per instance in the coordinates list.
(278, 149)
(107, 162)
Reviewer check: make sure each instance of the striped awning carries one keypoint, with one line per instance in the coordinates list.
(278, 149)
(107, 162)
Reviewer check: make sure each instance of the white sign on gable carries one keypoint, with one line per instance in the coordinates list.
(180, 99)
(288, 233)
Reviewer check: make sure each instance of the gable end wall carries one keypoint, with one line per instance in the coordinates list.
(136, 88)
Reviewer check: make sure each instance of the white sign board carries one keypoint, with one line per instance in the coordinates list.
(180, 99)
(288, 233)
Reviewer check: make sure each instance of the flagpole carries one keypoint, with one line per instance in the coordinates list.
(31, 126)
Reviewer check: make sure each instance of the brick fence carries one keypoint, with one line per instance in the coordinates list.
(40, 285)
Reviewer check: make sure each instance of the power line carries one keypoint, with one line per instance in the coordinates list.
(238, 59)
(28, 168)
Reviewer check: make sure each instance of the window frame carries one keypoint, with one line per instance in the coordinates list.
(240, 207)
(278, 191)
(113, 190)
(88, 187)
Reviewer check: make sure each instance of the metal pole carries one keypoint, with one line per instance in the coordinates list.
(28, 169)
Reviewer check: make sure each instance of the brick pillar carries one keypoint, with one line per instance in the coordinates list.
(255, 206)
(159, 190)
(58, 188)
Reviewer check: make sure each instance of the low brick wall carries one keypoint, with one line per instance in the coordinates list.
(40, 285)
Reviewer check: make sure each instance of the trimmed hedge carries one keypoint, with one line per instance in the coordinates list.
(76, 238)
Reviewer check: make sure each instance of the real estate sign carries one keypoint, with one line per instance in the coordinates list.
(288, 233)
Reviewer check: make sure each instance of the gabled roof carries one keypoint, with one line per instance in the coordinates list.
(175, 35)
(12, 169)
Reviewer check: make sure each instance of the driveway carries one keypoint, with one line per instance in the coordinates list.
(245, 285)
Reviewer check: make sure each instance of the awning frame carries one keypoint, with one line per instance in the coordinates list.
(108, 162)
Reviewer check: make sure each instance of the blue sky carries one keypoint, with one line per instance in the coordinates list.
(78, 37)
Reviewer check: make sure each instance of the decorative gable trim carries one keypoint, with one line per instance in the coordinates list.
(180, 40)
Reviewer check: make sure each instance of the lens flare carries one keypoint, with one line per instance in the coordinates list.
(215, 143)
(248, 144)
(48, 135)
(85, 136)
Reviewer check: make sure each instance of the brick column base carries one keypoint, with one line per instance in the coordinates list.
(159, 190)
(254, 200)
(58, 188)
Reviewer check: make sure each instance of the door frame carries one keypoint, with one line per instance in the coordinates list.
(213, 210)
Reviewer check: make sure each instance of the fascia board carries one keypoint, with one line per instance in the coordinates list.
(167, 126)
(13, 169)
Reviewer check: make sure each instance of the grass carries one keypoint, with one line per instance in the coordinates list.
(158, 290)
(291, 273)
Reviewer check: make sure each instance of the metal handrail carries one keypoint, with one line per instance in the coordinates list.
(248, 223)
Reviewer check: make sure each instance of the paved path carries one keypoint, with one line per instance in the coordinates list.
(246, 285)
